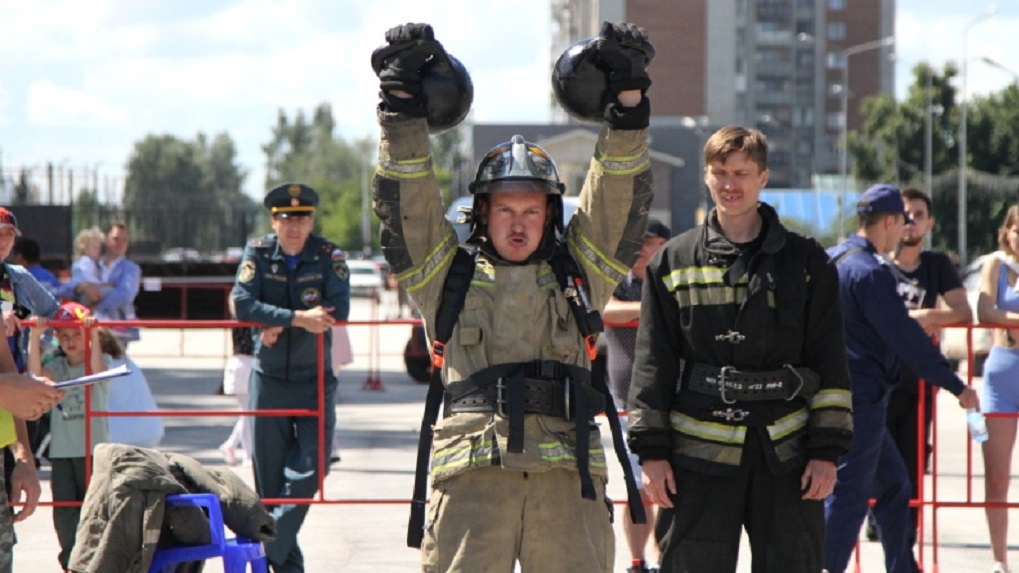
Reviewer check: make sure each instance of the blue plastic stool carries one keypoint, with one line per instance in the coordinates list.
(236, 553)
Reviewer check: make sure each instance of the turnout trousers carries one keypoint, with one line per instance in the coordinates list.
(286, 456)
(701, 533)
(873, 468)
(485, 520)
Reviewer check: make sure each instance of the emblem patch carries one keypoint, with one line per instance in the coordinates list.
(311, 297)
(340, 267)
(247, 271)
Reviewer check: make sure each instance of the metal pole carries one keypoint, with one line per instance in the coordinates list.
(843, 152)
(962, 192)
(928, 136)
(844, 131)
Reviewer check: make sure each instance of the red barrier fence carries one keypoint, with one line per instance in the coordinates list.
(931, 499)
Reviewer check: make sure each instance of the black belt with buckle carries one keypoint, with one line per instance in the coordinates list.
(552, 397)
(732, 385)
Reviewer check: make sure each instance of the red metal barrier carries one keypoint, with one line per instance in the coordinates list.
(925, 499)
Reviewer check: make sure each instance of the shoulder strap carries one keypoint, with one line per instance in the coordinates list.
(570, 280)
(590, 322)
(454, 293)
(839, 260)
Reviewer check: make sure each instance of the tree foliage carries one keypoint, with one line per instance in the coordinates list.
(187, 193)
(891, 148)
(341, 171)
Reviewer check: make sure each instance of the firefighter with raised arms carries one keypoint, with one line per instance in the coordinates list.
(518, 471)
(739, 400)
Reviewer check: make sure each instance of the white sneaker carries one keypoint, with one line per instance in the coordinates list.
(999, 567)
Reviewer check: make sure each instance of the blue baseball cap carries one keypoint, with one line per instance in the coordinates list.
(882, 198)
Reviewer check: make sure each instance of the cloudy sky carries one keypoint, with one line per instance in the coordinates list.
(82, 80)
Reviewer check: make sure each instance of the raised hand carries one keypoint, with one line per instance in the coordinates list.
(624, 51)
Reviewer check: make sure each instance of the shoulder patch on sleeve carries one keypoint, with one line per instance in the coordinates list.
(340, 268)
(246, 272)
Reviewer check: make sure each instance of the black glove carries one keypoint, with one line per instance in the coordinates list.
(409, 51)
(624, 51)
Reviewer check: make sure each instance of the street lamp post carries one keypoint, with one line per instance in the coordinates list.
(961, 211)
(996, 64)
(697, 125)
(844, 131)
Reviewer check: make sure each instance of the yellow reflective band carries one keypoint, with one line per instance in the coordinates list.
(653, 419)
(461, 456)
(689, 276)
(419, 276)
(553, 452)
(832, 398)
(405, 169)
(712, 452)
(546, 278)
(624, 165)
(711, 431)
(595, 260)
(788, 424)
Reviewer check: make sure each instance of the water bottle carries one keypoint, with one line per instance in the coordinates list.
(977, 425)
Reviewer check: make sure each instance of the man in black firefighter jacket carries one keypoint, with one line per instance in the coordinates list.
(739, 402)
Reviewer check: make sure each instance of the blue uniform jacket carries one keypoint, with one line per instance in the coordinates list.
(879, 330)
(266, 292)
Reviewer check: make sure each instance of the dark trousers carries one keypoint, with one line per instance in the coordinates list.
(67, 484)
(873, 468)
(702, 533)
(286, 456)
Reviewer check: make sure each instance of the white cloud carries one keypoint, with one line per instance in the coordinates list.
(935, 34)
(51, 105)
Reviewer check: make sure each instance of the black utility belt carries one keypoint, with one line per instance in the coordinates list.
(540, 396)
(732, 385)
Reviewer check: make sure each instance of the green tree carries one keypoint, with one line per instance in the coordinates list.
(187, 193)
(993, 133)
(891, 145)
(891, 148)
(341, 171)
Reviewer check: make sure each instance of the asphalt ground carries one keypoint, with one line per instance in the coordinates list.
(362, 528)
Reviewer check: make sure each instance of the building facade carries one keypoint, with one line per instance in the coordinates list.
(778, 65)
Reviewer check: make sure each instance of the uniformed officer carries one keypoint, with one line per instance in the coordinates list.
(296, 284)
(880, 338)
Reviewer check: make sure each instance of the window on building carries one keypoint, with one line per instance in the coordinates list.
(836, 31)
(834, 120)
(836, 60)
(836, 5)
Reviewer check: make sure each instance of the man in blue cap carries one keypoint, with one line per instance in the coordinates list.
(297, 285)
(879, 336)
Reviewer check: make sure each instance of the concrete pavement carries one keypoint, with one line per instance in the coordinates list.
(378, 437)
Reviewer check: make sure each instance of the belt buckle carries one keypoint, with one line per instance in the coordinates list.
(730, 370)
(567, 398)
(500, 397)
(798, 377)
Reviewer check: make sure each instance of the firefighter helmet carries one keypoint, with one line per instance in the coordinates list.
(518, 160)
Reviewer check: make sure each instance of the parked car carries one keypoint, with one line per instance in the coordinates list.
(953, 340)
(366, 278)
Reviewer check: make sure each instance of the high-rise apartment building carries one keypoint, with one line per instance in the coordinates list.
(778, 65)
